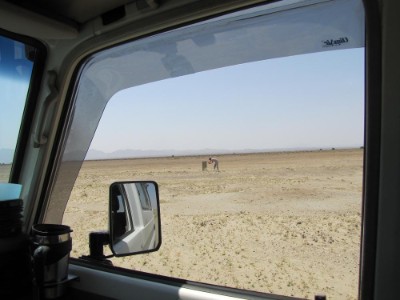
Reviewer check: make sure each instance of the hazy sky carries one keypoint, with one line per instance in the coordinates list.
(304, 101)
(12, 104)
(15, 74)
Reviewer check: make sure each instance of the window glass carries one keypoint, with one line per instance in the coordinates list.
(120, 213)
(275, 96)
(15, 72)
(143, 196)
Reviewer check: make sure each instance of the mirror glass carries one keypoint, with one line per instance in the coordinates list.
(134, 217)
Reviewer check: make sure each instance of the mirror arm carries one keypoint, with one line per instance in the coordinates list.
(97, 240)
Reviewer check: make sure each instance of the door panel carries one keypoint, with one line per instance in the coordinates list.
(101, 284)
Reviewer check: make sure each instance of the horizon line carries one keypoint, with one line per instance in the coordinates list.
(239, 152)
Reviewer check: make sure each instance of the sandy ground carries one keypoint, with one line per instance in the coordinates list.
(4, 172)
(284, 223)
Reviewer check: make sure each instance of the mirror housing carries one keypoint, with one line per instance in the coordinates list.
(134, 217)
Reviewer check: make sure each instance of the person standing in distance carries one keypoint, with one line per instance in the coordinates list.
(215, 162)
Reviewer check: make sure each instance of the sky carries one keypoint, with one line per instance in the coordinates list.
(15, 71)
(12, 105)
(298, 102)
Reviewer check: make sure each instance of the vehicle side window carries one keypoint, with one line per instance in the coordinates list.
(120, 213)
(16, 64)
(144, 197)
(252, 124)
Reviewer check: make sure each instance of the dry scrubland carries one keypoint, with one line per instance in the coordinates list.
(284, 223)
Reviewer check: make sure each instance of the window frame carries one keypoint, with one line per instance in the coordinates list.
(372, 153)
(371, 172)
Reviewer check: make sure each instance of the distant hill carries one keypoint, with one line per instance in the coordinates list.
(129, 153)
(6, 155)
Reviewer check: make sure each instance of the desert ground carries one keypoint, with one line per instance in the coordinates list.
(285, 223)
(4, 172)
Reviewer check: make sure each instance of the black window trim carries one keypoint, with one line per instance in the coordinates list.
(371, 181)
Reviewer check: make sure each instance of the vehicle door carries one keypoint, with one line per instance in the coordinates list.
(77, 123)
(147, 215)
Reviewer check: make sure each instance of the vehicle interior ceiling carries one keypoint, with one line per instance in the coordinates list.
(73, 12)
(76, 14)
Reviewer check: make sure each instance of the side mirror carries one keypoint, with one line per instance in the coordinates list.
(134, 217)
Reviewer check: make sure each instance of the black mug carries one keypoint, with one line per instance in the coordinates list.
(52, 244)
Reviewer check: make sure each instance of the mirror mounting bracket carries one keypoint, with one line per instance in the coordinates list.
(97, 240)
